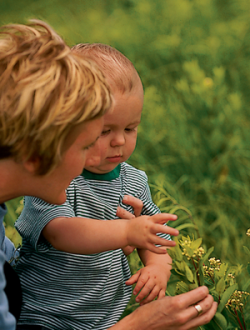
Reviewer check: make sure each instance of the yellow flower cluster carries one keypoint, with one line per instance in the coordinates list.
(238, 299)
(214, 265)
(188, 243)
(197, 253)
(248, 232)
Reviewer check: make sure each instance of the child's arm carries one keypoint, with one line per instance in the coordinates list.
(88, 236)
(137, 206)
(152, 279)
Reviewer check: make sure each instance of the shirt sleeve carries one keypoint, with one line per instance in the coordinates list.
(5, 243)
(7, 320)
(35, 216)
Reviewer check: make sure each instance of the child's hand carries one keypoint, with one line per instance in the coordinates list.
(137, 205)
(151, 283)
(142, 232)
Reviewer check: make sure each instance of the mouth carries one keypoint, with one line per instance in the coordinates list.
(114, 159)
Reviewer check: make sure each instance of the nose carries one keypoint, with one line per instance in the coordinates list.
(117, 140)
(93, 157)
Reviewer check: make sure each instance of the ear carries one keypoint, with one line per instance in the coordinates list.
(32, 165)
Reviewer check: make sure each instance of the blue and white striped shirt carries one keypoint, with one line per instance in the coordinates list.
(72, 291)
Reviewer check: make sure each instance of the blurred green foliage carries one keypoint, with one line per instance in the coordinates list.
(194, 61)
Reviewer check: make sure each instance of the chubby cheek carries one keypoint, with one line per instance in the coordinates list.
(104, 148)
(130, 147)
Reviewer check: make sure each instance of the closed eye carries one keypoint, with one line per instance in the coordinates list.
(105, 132)
(131, 129)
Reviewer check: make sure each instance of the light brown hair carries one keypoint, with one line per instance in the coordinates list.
(116, 67)
(45, 90)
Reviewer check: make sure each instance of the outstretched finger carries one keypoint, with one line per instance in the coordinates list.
(165, 230)
(136, 203)
(162, 218)
(164, 242)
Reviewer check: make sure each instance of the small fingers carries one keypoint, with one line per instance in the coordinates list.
(164, 242)
(161, 294)
(146, 291)
(143, 280)
(133, 279)
(157, 250)
(136, 203)
(123, 214)
(151, 296)
(166, 230)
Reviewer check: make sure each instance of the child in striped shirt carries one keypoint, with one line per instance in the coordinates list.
(116, 144)
(72, 267)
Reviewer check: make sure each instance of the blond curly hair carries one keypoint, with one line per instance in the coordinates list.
(45, 90)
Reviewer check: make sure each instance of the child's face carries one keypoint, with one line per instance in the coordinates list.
(118, 139)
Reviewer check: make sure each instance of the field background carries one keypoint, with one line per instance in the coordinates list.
(194, 61)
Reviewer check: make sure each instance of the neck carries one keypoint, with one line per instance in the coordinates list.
(13, 180)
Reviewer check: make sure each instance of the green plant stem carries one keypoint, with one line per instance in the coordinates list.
(210, 276)
(197, 272)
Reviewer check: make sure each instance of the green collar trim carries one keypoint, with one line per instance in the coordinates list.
(102, 177)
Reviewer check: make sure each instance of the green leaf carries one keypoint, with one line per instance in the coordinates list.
(171, 253)
(219, 322)
(248, 268)
(230, 317)
(201, 274)
(226, 295)
(222, 271)
(180, 207)
(196, 244)
(246, 285)
(181, 266)
(220, 286)
(189, 274)
(187, 225)
(183, 287)
(189, 251)
(246, 250)
(178, 253)
(207, 255)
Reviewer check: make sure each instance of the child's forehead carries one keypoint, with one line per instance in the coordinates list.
(125, 111)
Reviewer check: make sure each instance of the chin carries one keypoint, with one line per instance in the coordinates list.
(58, 200)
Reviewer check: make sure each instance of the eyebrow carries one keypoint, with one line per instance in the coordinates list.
(135, 122)
(130, 124)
